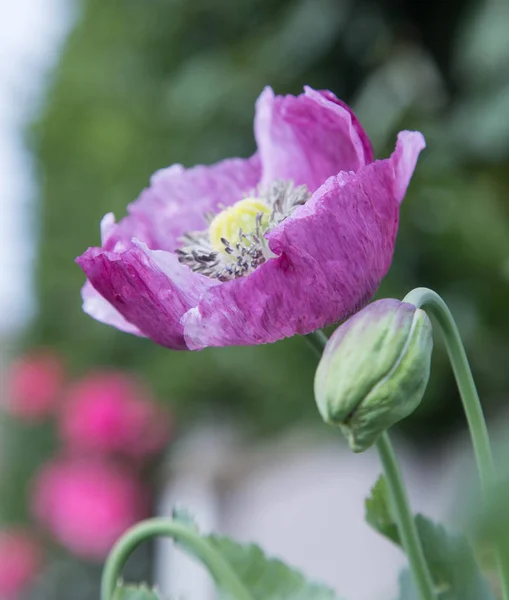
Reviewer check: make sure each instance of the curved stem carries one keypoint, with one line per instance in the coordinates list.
(470, 399)
(468, 392)
(404, 518)
(399, 500)
(218, 567)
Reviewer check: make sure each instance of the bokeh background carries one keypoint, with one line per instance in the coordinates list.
(130, 86)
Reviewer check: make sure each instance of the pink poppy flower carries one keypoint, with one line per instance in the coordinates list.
(250, 251)
(87, 505)
(20, 560)
(34, 384)
(111, 413)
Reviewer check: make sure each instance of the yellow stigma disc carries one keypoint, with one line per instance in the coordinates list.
(242, 215)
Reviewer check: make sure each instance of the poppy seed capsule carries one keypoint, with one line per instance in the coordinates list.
(374, 370)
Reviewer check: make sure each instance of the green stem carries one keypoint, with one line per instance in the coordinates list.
(436, 307)
(317, 340)
(404, 518)
(399, 501)
(218, 567)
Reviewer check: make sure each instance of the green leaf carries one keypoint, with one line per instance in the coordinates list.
(268, 578)
(136, 592)
(378, 513)
(450, 558)
(265, 578)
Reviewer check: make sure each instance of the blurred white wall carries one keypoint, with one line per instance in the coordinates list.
(31, 33)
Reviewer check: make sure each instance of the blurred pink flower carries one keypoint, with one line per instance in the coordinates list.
(20, 560)
(87, 505)
(112, 413)
(34, 383)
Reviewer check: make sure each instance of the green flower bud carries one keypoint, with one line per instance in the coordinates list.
(374, 370)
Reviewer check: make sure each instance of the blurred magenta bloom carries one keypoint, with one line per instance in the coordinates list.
(86, 505)
(111, 413)
(249, 251)
(20, 560)
(34, 385)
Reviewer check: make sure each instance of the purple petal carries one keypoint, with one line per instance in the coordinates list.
(332, 255)
(365, 142)
(177, 201)
(101, 310)
(150, 289)
(409, 146)
(308, 138)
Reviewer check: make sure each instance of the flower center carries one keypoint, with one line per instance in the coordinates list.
(233, 244)
(248, 215)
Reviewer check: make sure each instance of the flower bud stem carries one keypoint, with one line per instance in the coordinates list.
(404, 518)
(399, 500)
(217, 566)
(437, 308)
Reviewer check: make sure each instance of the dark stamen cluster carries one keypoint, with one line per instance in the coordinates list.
(198, 255)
